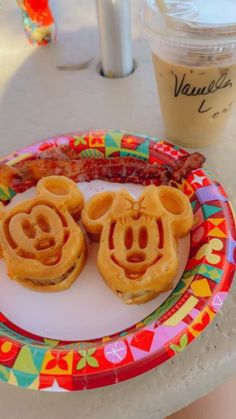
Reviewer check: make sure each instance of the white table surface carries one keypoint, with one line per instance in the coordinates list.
(37, 101)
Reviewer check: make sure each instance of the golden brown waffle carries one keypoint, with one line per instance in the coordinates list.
(138, 253)
(42, 245)
(65, 193)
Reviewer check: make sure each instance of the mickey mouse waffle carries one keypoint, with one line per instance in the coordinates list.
(138, 253)
(41, 243)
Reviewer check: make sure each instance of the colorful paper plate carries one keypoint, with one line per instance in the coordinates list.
(41, 363)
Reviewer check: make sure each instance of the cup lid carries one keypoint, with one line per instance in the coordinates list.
(216, 15)
(211, 22)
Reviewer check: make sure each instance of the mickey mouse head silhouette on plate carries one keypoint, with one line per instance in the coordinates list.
(138, 253)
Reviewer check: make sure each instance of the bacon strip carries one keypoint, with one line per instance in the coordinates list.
(116, 169)
(187, 164)
(124, 170)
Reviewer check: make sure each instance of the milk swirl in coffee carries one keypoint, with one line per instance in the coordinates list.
(195, 101)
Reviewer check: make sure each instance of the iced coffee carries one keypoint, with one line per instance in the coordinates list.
(195, 68)
(195, 101)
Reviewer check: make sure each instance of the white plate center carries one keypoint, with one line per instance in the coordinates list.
(89, 309)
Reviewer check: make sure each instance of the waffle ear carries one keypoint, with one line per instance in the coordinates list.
(63, 192)
(177, 206)
(100, 208)
(171, 205)
(96, 211)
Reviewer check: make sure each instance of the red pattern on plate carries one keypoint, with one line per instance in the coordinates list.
(36, 362)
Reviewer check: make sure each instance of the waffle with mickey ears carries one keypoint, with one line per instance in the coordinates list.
(43, 246)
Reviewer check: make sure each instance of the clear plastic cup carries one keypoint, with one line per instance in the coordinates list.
(194, 55)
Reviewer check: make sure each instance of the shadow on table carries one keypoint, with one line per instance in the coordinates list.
(40, 93)
(40, 100)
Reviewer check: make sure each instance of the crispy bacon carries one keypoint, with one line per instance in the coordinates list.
(187, 164)
(12, 177)
(84, 170)
(116, 169)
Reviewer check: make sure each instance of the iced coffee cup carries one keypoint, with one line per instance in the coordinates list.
(194, 56)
